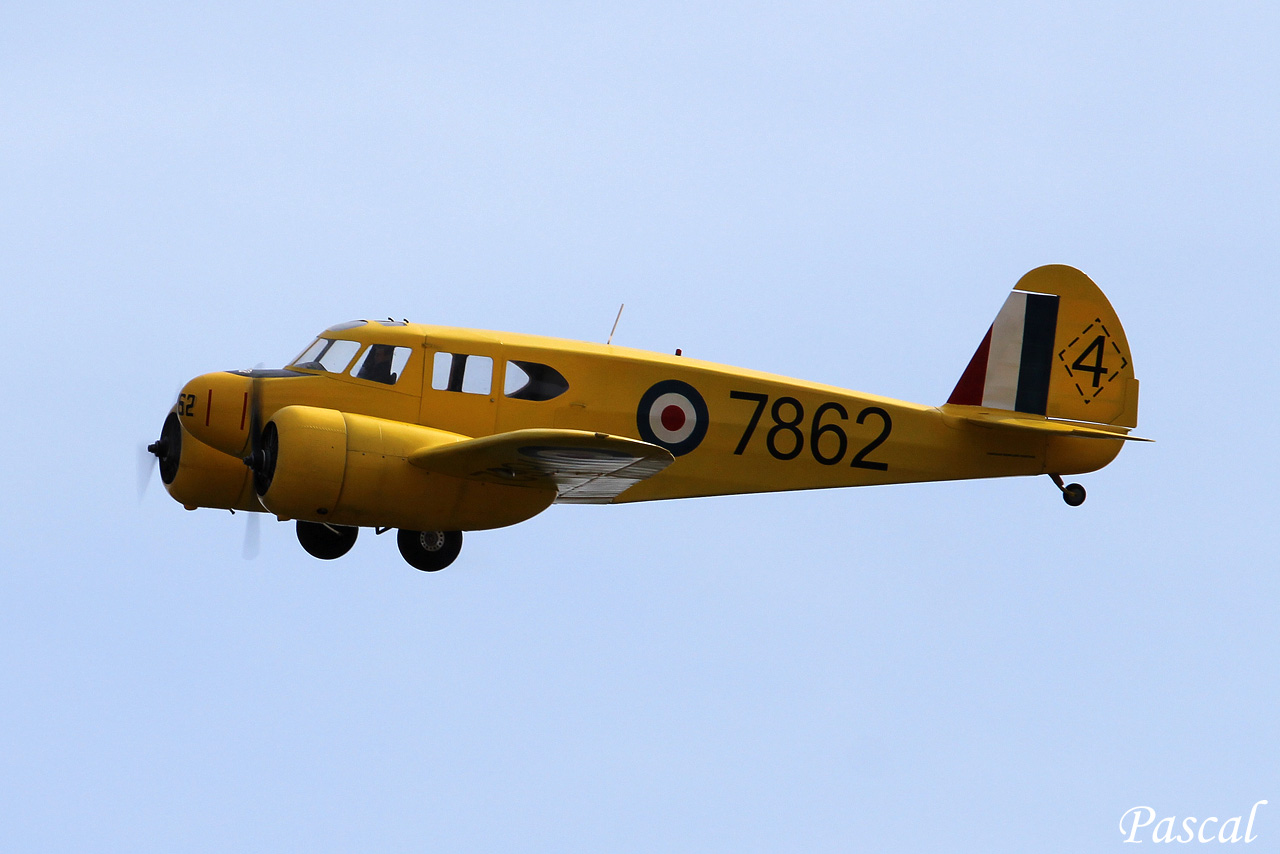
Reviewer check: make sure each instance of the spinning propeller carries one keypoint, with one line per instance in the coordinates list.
(263, 442)
(167, 451)
(146, 465)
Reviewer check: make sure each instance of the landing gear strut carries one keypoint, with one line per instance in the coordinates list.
(327, 542)
(1072, 493)
(429, 551)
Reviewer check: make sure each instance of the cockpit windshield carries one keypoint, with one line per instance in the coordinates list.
(327, 354)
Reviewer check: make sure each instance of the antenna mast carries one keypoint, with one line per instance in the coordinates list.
(615, 324)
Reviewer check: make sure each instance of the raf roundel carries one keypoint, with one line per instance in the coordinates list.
(673, 415)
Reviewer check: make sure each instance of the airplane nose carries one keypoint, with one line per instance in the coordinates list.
(168, 448)
(214, 408)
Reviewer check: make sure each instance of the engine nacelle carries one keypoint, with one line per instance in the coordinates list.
(323, 465)
(197, 475)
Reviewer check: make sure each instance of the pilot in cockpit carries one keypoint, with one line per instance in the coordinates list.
(377, 364)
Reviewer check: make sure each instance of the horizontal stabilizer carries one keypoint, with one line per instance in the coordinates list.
(583, 467)
(1040, 425)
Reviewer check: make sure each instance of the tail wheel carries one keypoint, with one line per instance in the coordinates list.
(429, 551)
(1073, 494)
(326, 542)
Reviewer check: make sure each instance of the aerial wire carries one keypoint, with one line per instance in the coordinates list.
(615, 324)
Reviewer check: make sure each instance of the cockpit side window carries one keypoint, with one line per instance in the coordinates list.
(381, 363)
(327, 354)
(462, 372)
(533, 381)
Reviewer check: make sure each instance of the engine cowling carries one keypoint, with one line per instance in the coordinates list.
(197, 475)
(324, 465)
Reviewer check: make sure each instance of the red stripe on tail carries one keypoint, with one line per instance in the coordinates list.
(973, 381)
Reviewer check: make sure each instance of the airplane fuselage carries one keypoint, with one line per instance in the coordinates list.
(748, 431)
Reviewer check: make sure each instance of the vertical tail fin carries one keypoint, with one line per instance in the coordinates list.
(1055, 349)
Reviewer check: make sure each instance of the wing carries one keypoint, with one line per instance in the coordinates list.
(586, 468)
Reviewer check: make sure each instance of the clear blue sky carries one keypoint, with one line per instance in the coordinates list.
(842, 193)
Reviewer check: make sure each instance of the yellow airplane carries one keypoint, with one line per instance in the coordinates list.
(436, 431)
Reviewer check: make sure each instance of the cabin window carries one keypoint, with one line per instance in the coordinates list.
(533, 381)
(381, 363)
(327, 354)
(462, 372)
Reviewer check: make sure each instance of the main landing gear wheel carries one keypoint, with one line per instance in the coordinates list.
(326, 542)
(1072, 493)
(429, 551)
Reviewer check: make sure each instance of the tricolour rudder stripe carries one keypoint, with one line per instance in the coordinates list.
(1039, 327)
(1011, 367)
(968, 392)
(1005, 362)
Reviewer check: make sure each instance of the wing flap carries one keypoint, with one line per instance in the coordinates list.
(584, 467)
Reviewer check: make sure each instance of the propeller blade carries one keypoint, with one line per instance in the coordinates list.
(252, 536)
(255, 430)
(260, 459)
(147, 463)
(149, 456)
(255, 416)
